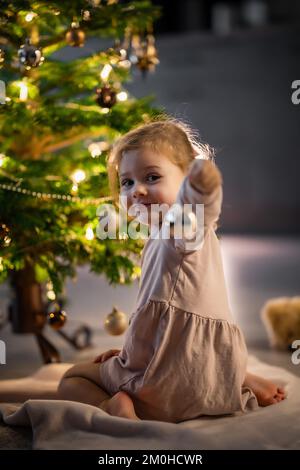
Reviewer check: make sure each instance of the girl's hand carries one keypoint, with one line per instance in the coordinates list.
(208, 177)
(106, 355)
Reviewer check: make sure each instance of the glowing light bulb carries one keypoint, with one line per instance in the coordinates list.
(89, 233)
(123, 53)
(29, 17)
(7, 241)
(51, 295)
(105, 72)
(94, 150)
(122, 96)
(23, 91)
(78, 176)
(74, 188)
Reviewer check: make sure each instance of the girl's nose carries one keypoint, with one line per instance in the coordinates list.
(139, 190)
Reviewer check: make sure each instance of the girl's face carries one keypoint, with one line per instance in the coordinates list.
(148, 178)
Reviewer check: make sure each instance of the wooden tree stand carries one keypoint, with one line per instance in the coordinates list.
(27, 313)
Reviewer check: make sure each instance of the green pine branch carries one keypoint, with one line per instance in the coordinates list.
(45, 139)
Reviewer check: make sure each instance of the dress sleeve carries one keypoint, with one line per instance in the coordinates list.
(202, 213)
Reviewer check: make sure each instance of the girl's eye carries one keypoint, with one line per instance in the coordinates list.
(128, 182)
(124, 182)
(154, 176)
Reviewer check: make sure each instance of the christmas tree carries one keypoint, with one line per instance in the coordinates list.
(58, 120)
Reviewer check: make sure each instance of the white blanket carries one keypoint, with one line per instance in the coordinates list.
(60, 424)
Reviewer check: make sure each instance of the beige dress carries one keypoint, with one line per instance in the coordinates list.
(183, 355)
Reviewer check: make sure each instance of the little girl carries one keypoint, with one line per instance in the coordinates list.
(183, 355)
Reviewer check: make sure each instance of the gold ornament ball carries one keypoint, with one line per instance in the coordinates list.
(116, 322)
(57, 319)
(106, 96)
(75, 37)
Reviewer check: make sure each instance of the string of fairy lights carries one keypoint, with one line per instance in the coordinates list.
(77, 177)
(63, 197)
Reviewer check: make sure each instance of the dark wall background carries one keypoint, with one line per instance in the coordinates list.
(236, 91)
(187, 15)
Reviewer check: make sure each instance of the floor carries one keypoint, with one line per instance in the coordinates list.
(256, 269)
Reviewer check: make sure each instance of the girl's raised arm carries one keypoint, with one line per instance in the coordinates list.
(201, 185)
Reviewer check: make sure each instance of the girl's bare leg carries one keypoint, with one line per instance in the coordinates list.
(267, 393)
(82, 383)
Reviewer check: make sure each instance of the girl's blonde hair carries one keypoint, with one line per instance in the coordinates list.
(170, 136)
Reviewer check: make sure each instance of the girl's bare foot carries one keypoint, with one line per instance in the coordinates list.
(267, 393)
(120, 405)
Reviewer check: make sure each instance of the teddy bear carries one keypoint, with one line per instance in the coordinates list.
(281, 317)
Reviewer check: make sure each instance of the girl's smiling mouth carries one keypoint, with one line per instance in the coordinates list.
(144, 203)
